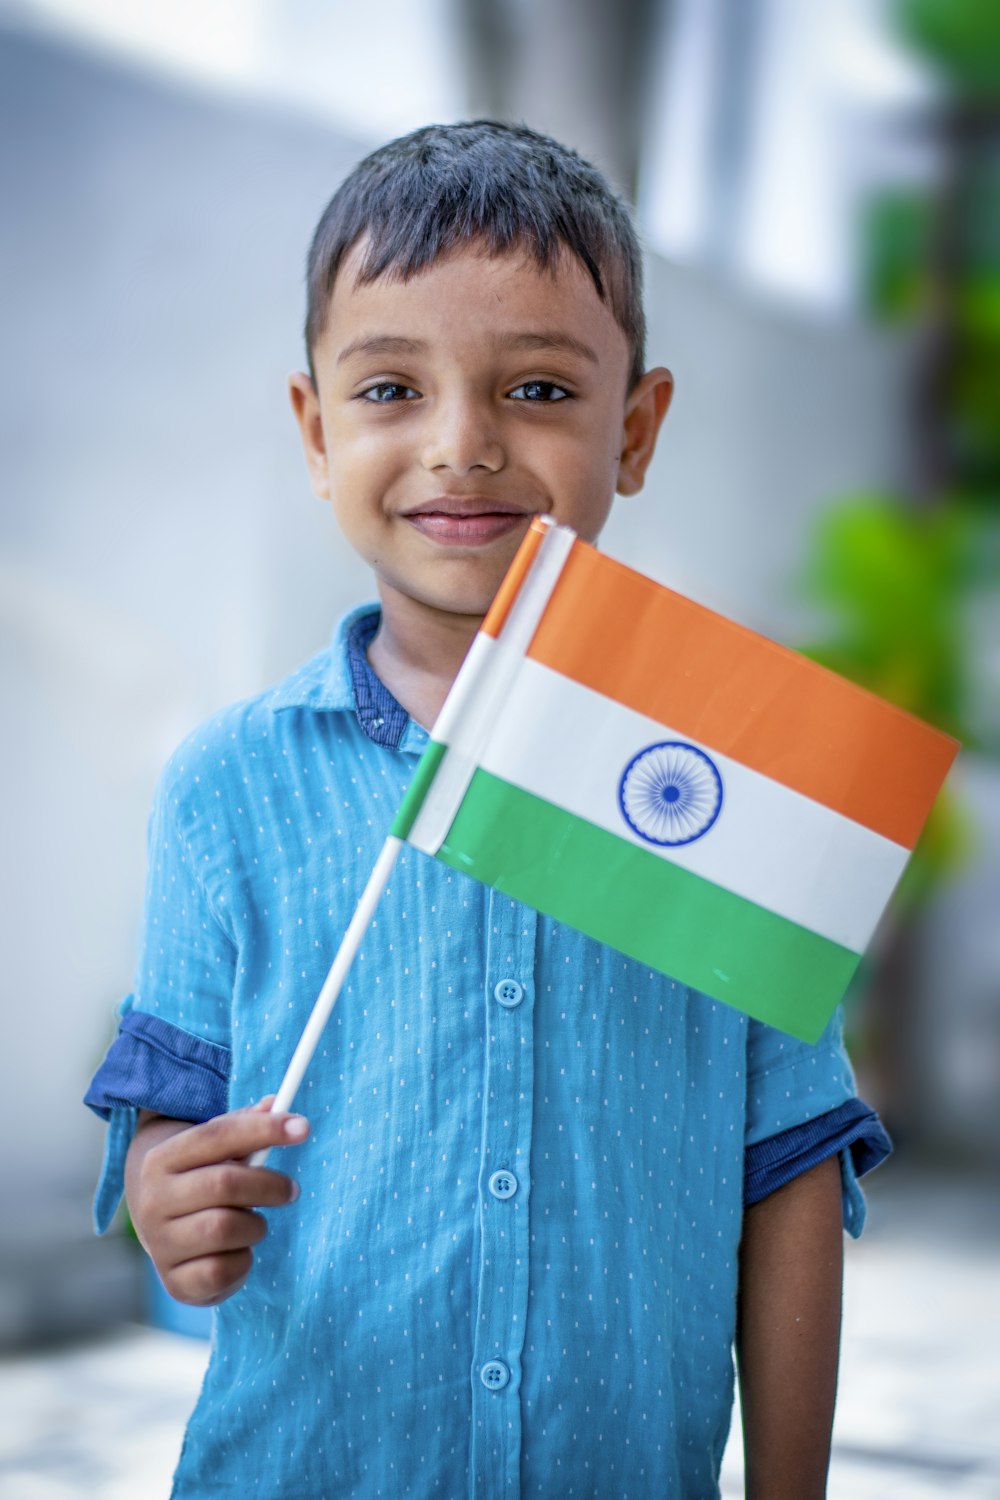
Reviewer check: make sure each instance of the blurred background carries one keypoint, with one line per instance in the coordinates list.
(818, 190)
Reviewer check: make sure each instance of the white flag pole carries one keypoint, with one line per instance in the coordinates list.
(333, 983)
(465, 700)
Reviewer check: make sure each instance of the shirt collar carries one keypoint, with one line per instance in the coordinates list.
(341, 679)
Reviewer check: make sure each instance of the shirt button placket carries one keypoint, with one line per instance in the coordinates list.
(504, 1177)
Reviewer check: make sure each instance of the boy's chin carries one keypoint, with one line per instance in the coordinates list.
(469, 598)
(465, 604)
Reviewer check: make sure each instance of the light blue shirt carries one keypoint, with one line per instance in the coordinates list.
(512, 1268)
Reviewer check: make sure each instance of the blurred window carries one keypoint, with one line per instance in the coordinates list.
(373, 71)
(771, 122)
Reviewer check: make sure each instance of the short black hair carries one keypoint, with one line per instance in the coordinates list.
(505, 186)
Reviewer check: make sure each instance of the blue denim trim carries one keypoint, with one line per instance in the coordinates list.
(769, 1164)
(111, 1187)
(380, 716)
(154, 1065)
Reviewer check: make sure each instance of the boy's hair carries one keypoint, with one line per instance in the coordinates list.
(505, 186)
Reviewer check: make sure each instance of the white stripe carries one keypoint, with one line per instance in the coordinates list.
(777, 848)
(480, 690)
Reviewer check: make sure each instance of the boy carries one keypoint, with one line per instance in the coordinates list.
(511, 1255)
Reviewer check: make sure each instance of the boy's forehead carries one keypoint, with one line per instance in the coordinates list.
(468, 290)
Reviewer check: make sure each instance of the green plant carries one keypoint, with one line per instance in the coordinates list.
(900, 580)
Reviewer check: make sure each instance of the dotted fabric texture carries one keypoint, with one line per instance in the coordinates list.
(621, 1104)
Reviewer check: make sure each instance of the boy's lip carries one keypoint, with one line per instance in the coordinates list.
(468, 505)
(466, 520)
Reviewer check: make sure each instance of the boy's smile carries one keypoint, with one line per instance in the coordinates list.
(466, 520)
(451, 408)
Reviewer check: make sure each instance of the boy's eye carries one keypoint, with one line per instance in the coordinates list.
(539, 390)
(388, 390)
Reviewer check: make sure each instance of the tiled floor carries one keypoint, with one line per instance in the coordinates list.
(918, 1415)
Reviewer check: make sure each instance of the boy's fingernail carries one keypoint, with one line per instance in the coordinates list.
(294, 1192)
(296, 1126)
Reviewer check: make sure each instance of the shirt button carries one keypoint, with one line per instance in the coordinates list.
(509, 993)
(494, 1375)
(503, 1184)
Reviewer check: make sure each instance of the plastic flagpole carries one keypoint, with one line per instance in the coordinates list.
(333, 983)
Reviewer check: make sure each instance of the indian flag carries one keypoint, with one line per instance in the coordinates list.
(672, 784)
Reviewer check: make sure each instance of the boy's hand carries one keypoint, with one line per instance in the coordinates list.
(191, 1195)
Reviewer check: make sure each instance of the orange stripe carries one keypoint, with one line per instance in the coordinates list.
(514, 577)
(743, 695)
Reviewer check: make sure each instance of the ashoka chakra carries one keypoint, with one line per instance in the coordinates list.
(670, 793)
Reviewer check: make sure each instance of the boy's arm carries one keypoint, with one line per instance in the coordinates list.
(191, 1195)
(788, 1334)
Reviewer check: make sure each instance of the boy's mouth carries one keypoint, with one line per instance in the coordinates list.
(465, 521)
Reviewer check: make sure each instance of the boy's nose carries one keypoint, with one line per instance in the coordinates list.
(461, 437)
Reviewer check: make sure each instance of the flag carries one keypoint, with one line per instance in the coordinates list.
(672, 784)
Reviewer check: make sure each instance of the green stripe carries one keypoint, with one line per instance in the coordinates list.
(417, 790)
(656, 912)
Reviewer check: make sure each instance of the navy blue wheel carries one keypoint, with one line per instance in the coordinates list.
(670, 793)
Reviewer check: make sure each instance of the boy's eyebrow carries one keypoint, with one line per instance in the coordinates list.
(389, 343)
(556, 340)
(381, 343)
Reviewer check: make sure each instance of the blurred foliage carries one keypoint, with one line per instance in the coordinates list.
(899, 577)
(898, 240)
(960, 37)
(903, 285)
(892, 580)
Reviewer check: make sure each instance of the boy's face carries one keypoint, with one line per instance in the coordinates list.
(451, 408)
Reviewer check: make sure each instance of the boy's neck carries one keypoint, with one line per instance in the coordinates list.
(417, 651)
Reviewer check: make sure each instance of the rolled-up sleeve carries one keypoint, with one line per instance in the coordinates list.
(171, 1054)
(802, 1107)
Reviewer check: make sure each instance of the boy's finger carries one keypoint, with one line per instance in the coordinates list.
(214, 1231)
(231, 1184)
(231, 1137)
(210, 1278)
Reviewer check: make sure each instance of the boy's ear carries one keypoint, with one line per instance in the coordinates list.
(645, 407)
(305, 405)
